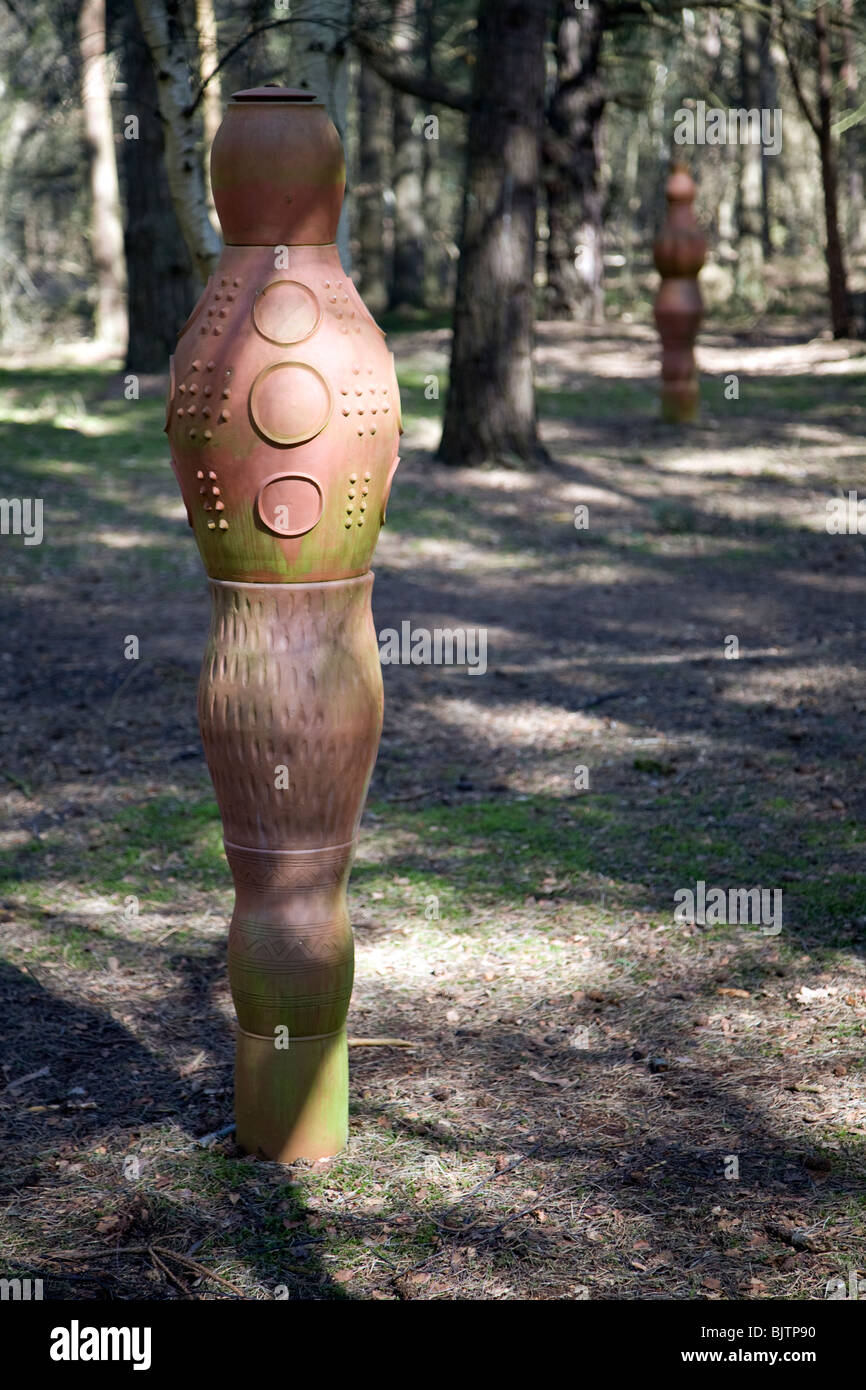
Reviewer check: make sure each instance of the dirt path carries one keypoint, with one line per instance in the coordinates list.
(602, 1102)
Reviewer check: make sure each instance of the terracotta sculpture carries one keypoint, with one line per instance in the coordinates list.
(679, 253)
(284, 419)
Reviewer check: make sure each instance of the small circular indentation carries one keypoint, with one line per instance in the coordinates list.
(289, 504)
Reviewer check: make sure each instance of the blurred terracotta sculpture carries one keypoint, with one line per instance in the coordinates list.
(679, 253)
(284, 419)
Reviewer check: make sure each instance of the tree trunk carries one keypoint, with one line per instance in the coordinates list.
(437, 267)
(575, 197)
(373, 111)
(407, 281)
(163, 286)
(768, 100)
(853, 136)
(490, 411)
(105, 216)
(182, 157)
(749, 283)
(829, 178)
(212, 104)
(318, 62)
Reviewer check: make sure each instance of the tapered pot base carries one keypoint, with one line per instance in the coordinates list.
(292, 1102)
(680, 403)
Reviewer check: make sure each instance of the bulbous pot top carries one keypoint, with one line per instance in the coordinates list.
(680, 248)
(277, 170)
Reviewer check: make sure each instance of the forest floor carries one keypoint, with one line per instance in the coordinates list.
(599, 1101)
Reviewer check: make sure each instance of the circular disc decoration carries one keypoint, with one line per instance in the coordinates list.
(286, 312)
(289, 504)
(290, 403)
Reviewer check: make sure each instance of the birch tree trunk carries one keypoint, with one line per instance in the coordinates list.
(183, 164)
(105, 216)
(318, 62)
(212, 104)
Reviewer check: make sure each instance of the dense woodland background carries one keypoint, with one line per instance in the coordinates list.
(526, 143)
